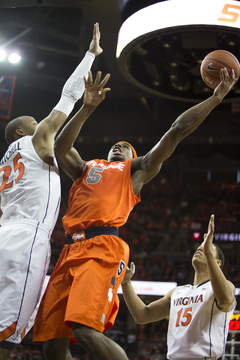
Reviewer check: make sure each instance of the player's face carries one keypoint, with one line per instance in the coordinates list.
(120, 152)
(199, 256)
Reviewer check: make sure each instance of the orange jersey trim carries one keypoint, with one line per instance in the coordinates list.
(8, 331)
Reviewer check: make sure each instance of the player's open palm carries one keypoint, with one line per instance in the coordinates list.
(208, 238)
(94, 45)
(129, 273)
(95, 91)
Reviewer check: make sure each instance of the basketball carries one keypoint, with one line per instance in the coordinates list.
(213, 62)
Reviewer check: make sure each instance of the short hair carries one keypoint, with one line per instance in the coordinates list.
(220, 255)
(10, 130)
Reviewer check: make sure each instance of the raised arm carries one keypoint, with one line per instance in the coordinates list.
(68, 157)
(142, 313)
(223, 289)
(43, 138)
(148, 166)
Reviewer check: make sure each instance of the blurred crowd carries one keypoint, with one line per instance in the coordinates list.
(162, 231)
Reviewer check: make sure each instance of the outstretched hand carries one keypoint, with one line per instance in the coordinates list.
(129, 273)
(95, 92)
(208, 238)
(226, 84)
(94, 46)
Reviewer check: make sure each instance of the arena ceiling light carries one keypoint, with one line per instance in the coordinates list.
(172, 37)
(172, 13)
(3, 54)
(14, 58)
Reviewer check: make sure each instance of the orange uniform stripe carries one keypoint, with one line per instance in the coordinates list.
(23, 333)
(8, 331)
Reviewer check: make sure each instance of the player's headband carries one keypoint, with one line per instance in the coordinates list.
(133, 150)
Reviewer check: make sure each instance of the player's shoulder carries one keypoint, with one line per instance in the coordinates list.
(136, 164)
(182, 288)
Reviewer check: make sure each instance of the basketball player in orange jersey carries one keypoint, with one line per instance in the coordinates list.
(30, 200)
(199, 313)
(81, 299)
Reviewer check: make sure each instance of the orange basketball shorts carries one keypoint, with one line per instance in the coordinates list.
(83, 288)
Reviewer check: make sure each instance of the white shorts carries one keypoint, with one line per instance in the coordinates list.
(24, 260)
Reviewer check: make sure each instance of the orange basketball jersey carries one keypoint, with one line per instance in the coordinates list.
(102, 196)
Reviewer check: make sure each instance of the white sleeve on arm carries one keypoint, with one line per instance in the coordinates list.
(74, 86)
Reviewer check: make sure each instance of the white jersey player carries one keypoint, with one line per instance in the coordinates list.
(30, 200)
(199, 313)
(197, 327)
(30, 187)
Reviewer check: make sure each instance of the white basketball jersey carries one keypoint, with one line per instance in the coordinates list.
(30, 188)
(197, 328)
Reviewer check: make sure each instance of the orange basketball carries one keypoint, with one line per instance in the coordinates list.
(213, 62)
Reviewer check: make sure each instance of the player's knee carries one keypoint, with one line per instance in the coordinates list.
(55, 349)
(47, 350)
(84, 334)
